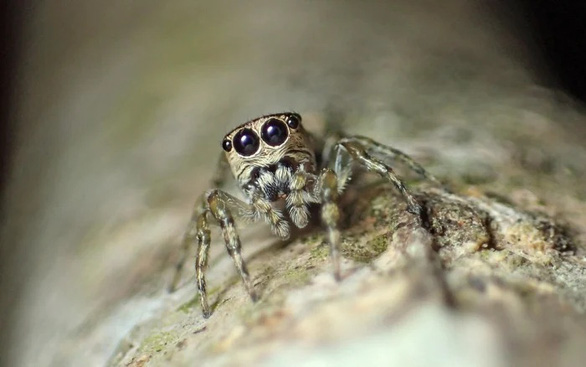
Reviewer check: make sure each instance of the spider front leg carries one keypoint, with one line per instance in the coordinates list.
(330, 214)
(188, 239)
(358, 152)
(201, 260)
(222, 169)
(220, 206)
(216, 204)
(196, 229)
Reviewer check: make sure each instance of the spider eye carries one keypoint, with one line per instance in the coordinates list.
(293, 120)
(246, 142)
(274, 132)
(227, 145)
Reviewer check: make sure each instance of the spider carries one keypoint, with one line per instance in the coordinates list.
(283, 170)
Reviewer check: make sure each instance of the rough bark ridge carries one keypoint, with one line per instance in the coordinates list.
(122, 116)
(506, 278)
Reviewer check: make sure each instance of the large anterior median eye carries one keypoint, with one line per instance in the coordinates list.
(246, 142)
(274, 132)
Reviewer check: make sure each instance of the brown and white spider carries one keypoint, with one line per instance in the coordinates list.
(283, 171)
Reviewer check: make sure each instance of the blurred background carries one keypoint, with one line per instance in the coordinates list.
(112, 113)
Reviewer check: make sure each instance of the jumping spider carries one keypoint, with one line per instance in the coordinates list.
(283, 170)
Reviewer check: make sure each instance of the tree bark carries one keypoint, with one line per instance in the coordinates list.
(123, 106)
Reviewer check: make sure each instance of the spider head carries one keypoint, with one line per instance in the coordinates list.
(266, 142)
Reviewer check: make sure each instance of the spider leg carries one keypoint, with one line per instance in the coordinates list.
(389, 152)
(330, 214)
(299, 198)
(218, 180)
(329, 147)
(201, 260)
(188, 239)
(261, 208)
(217, 203)
(358, 152)
(333, 159)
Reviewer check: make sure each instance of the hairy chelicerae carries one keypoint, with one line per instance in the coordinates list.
(273, 159)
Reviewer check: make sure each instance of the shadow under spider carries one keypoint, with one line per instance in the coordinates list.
(277, 245)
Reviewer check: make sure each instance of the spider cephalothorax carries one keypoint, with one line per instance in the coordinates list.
(273, 159)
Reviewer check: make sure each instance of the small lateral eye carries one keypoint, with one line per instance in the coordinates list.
(227, 145)
(246, 142)
(274, 132)
(293, 120)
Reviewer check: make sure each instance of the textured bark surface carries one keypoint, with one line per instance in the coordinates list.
(121, 113)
